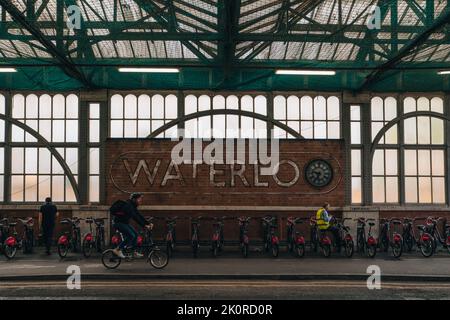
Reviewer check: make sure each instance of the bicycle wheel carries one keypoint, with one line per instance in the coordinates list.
(87, 248)
(110, 260)
(426, 248)
(349, 248)
(158, 259)
(300, 250)
(63, 250)
(10, 251)
(397, 249)
(371, 250)
(326, 250)
(275, 250)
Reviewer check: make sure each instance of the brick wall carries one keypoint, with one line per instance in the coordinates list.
(199, 191)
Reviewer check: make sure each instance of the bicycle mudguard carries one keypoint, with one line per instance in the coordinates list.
(11, 242)
(89, 237)
(275, 240)
(63, 240)
(300, 240)
(371, 241)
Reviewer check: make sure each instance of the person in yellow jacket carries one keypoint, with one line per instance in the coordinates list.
(324, 220)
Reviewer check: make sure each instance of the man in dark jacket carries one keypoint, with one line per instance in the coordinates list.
(122, 223)
(47, 216)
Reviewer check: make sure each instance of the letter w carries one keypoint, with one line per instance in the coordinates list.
(141, 165)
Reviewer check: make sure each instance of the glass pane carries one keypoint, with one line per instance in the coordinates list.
(356, 162)
(438, 163)
(94, 111)
(44, 161)
(438, 190)
(58, 130)
(116, 107)
(320, 130)
(391, 189)
(116, 129)
(94, 161)
(333, 108)
(204, 127)
(219, 102)
(72, 131)
(2, 131)
(56, 167)
(70, 194)
(190, 104)
(390, 136)
(31, 106)
(45, 106)
(232, 126)
(356, 190)
(31, 160)
(32, 124)
(293, 108)
(44, 187)
(219, 126)
(144, 107)
(355, 132)
(18, 106)
(72, 159)
(279, 108)
(190, 129)
(279, 133)
(423, 130)
(424, 162)
(411, 190)
(246, 127)
(409, 105)
(2, 160)
(306, 104)
(143, 128)
(355, 113)
(158, 107)
(423, 104)
(2, 104)
(94, 130)
(247, 103)
(232, 102)
(261, 105)
(307, 129)
(94, 187)
(391, 162)
(294, 125)
(172, 132)
(334, 130)
(390, 105)
(17, 134)
(424, 189)
(17, 160)
(437, 131)
(157, 124)
(204, 103)
(171, 107)
(16, 188)
(376, 127)
(59, 106)
(378, 189)
(2, 191)
(130, 107)
(58, 188)
(320, 108)
(31, 183)
(130, 128)
(410, 131)
(437, 105)
(261, 129)
(45, 129)
(72, 106)
(377, 109)
(378, 163)
(410, 162)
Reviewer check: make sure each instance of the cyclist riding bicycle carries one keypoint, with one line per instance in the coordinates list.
(123, 212)
(324, 222)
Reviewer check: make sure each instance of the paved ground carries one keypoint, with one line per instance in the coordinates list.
(229, 277)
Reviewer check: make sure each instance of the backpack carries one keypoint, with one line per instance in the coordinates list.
(116, 208)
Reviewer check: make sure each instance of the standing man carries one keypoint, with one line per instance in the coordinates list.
(324, 220)
(47, 217)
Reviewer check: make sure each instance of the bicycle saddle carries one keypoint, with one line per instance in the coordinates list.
(89, 220)
(99, 221)
(371, 224)
(12, 224)
(396, 222)
(65, 221)
(25, 221)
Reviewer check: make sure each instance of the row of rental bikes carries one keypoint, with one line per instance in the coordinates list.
(396, 234)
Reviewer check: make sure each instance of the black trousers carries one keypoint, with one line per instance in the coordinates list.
(47, 236)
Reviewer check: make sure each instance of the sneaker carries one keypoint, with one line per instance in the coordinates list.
(138, 255)
(118, 253)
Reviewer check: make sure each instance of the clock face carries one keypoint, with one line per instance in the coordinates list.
(318, 173)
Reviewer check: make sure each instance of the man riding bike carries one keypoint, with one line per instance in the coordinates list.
(324, 220)
(129, 210)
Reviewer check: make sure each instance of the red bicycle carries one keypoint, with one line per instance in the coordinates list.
(243, 235)
(271, 240)
(294, 239)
